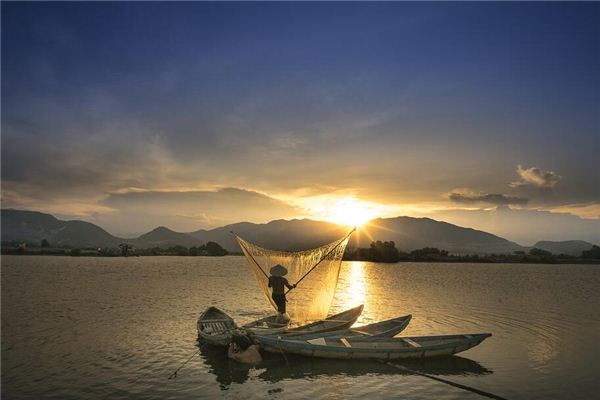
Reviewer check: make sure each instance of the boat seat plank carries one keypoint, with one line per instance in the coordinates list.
(411, 342)
(361, 332)
(345, 342)
(318, 341)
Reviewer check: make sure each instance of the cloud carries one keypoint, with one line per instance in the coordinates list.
(536, 177)
(137, 211)
(589, 210)
(469, 197)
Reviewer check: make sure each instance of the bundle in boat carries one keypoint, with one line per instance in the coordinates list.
(373, 348)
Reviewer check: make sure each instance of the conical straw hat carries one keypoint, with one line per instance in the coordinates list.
(278, 270)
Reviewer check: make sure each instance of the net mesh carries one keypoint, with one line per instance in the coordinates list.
(313, 296)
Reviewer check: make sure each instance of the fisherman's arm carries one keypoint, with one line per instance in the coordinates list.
(287, 284)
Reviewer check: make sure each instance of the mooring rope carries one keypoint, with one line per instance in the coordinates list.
(447, 382)
(174, 374)
(282, 352)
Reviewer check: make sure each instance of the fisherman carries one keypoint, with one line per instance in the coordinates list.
(279, 283)
(242, 349)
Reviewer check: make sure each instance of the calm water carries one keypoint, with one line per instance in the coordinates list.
(116, 328)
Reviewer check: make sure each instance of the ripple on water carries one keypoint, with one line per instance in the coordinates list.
(117, 328)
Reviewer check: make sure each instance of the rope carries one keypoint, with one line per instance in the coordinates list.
(282, 352)
(447, 382)
(174, 374)
(250, 254)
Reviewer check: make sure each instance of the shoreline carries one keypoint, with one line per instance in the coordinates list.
(451, 260)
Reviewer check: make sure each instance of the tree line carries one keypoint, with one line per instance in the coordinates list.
(211, 249)
(386, 252)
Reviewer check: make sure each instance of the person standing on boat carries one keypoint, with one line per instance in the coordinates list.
(279, 283)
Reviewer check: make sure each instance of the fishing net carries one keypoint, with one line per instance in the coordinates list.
(316, 285)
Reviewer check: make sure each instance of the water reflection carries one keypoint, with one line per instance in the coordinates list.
(298, 367)
(226, 370)
(275, 368)
(353, 289)
(103, 334)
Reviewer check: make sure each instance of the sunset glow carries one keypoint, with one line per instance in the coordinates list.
(221, 180)
(349, 211)
(217, 135)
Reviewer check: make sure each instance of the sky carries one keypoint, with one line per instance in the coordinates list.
(195, 115)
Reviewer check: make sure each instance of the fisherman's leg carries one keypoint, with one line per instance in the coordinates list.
(280, 302)
(283, 301)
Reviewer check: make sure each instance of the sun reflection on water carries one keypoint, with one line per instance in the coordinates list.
(354, 290)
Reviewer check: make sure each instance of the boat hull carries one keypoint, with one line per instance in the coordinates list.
(377, 351)
(335, 322)
(388, 328)
(215, 327)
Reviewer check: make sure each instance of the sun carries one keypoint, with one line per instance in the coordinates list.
(350, 212)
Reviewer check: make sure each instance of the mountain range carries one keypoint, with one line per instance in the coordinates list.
(408, 233)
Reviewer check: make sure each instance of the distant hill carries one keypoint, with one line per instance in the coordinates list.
(292, 235)
(164, 238)
(569, 247)
(414, 233)
(32, 227)
(297, 234)
(408, 233)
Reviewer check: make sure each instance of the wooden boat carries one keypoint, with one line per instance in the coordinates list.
(215, 327)
(387, 328)
(373, 348)
(269, 322)
(335, 322)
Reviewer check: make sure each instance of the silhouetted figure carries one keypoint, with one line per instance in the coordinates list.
(279, 283)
